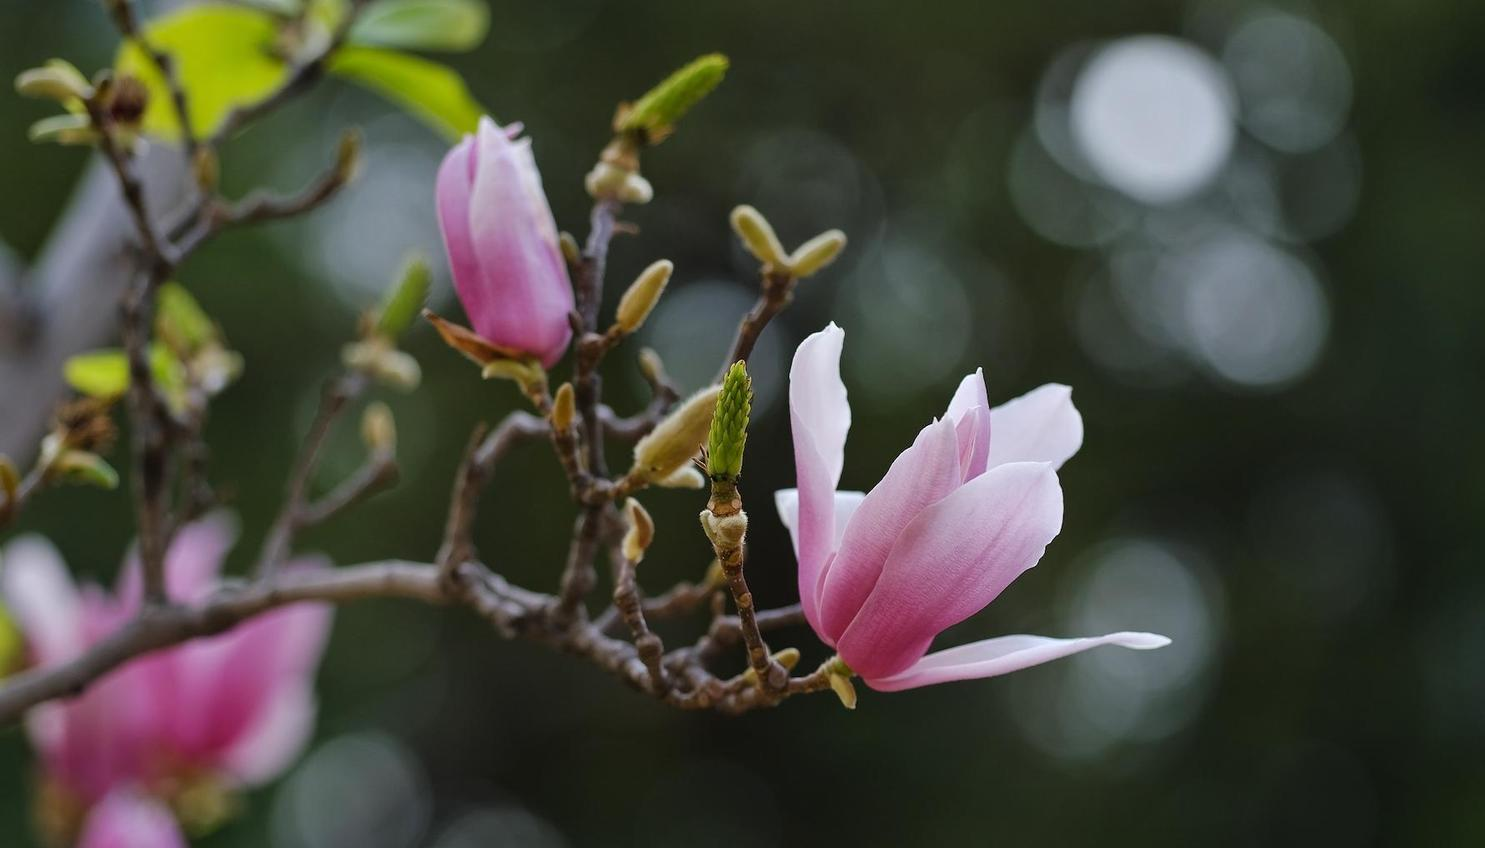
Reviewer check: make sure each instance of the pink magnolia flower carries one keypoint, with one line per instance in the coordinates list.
(234, 709)
(502, 243)
(957, 517)
(126, 819)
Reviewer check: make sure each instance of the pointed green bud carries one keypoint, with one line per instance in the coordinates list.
(642, 295)
(56, 80)
(84, 467)
(348, 155)
(729, 431)
(663, 105)
(816, 253)
(839, 675)
(405, 299)
(758, 236)
(678, 438)
(63, 129)
(180, 322)
(788, 658)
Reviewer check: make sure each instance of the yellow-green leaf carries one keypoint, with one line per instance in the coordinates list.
(422, 24)
(224, 56)
(12, 646)
(434, 93)
(179, 320)
(98, 373)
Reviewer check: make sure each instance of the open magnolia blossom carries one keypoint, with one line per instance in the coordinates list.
(223, 712)
(502, 244)
(958, 516)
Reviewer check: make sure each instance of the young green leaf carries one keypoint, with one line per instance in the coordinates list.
(99, 374)
(223, 54)
(405, 298)
(454, 25)
(179, 320)
(432, 92)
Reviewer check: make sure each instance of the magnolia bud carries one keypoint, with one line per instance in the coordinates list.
(348, 155)
(379, 429)
(651, 366)
(675, 440)
(685, 477)
(564, 408)
(758, 236)
(56, 80)
(725, 531)
(729, 431)
(664, 104)
(788, 658)
(816, 253)
(642, 295)
(570, 250)
(641, 531)
(405, 298)
(64, 129)
(386, 364)
(839, 675)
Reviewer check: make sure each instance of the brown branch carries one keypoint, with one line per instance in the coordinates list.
(629, 601)
(474, 473)
(778, 291)
(25, 488)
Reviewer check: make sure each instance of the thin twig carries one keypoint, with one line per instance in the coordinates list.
(778, 290)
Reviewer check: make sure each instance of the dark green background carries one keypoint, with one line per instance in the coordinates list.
(1301, 727)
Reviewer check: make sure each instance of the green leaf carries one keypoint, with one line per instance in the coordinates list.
(405, 299)
(455, 25)
(664, 104)
(180, 321)
(224, 56)
(86, 468)
(99, 373)
(434, 93)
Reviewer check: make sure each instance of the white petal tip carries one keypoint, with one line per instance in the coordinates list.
(1140, 641)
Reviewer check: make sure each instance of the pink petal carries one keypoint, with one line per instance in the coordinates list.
(786, 501)
(921, 476)
(971, 396)
(44, 601)
(1039, 426)
(819, 416)
(1003, 655)
(453, 185)
(281, 729)
(128, 820)
(525, 295)
(951, 561)
(193, 565)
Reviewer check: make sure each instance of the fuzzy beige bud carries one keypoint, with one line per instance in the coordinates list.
(564, 408)
(758, 236)
(641, 531)
(675, 440)
(652, 366)
(642, 295)
(379, 429)
(816, 253)
(725, 531)
(685, 477)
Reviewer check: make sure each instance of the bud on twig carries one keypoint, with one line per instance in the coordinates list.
(758, 236)
(839, 675)
(685, 477)
(676, 439)
(725, 532)
(63, 129)
(657, 111)
(788, 658)
(614, 182)
(642, 295)
(564, 408)
(379, 429)
(348, 155)
(377, 358)
(641, 531)
(729, 431)
(816, 253)
(652, 366)
(405, 298)
(57, 80)
(570, 250)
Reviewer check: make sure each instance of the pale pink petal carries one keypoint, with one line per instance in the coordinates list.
(951, 561)
(819, 416)
(786, 501)
(970, 396)
(125, 819)
(1003, 655)
(453, 185)
(921, 476)
(40, 595)
(266, 748)
(972, 431)
(193, 565)
(1039, 426)
(526, 295)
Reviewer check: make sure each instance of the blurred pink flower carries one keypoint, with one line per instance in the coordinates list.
(502, 243)
(233, 709)
(957, 517)
(126, 819)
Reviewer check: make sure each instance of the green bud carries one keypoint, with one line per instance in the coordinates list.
(405, 299)
(63, 129)
(642, 295)
(348, 155)
(86, 468)
(180, 322)
(674, 441)
(758, 236)
(664, 104)
(729, 430)
(102, 374)
(56, 80)
(816, 253)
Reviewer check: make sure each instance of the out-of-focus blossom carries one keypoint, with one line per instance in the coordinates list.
(126, 819)
(502, 244)
(957, 517)
(217, 713)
